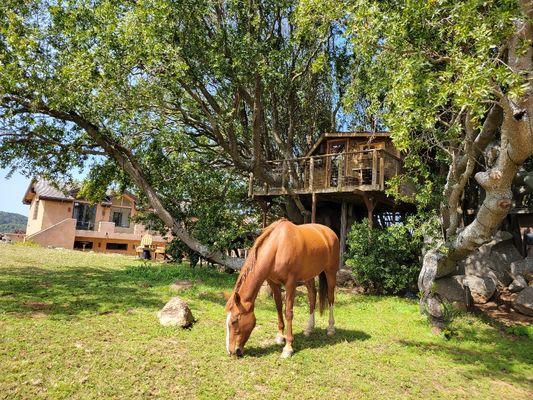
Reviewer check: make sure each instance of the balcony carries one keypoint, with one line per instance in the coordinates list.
(367, 170)
(108, 230)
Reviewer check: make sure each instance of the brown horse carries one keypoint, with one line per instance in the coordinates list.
(285, 254)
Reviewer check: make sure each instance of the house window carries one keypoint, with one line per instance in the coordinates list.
(121, 217)
(84, 215)
(83, 245)
(36, 209)
(116, 246)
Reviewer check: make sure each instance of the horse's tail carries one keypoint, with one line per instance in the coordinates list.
(252, 254)
(322, 292)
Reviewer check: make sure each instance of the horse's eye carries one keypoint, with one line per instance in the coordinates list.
(234, 322)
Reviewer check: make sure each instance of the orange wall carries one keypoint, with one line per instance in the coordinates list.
(99, 245)
(54, 212)
(34, 225)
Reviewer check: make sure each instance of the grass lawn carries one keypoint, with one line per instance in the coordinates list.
(81, 325)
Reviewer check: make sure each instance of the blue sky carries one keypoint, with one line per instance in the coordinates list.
(11, 192)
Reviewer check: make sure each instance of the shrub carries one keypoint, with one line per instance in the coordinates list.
(384, 260)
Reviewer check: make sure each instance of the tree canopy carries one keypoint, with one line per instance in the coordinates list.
(149, 86)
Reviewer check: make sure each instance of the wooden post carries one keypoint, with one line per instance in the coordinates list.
(370, 205)
(374, 168)
(382, 172)
(283, 177)
(340, 173)
(342, 239)
(312, 174)
(313, 208)
(251, 185)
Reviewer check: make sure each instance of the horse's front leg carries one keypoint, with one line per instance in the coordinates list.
(311, 296)
(276, 292)
(290, 291)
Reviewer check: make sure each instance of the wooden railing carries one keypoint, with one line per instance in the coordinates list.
(339, 172)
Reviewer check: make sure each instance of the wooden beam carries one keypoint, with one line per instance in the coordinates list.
(381, 173)
(311, 174)
(342, 239)
(251, 185)
(370, 204)
(313, 208)
(374, 168)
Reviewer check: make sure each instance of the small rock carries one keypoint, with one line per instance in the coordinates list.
(499, 237)
(176, 313)
(265, 290)
(518, 284)
(181, 284)
(481, 289)
(345, 278)
(524, 301)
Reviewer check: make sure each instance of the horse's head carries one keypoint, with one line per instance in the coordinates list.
(240, 321)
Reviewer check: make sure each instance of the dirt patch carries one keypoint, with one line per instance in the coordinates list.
(500, 309)
(37, 305)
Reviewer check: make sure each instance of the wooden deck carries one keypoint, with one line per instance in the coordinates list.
(345, 172)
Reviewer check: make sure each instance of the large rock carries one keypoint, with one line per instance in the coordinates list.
(517, 284)
(451, 288)
(524, 302)
(481, 288)
(176, 313)
(483, 265)
(435, 265)
(523, 268)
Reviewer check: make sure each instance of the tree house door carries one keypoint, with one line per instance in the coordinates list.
(335, 148)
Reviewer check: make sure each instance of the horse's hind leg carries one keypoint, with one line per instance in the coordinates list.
(276, 292)
(331, 277)
(311, 296)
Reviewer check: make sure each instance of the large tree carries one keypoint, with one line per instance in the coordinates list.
(134, 84)
(453, 82)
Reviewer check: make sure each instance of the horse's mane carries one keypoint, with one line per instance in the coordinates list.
(249, 263)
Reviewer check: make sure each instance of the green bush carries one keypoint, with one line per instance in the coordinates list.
(384, 261)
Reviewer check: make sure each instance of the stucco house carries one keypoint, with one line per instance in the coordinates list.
(61, 219)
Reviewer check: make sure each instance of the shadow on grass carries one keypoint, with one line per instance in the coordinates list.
(493, 354)
(318, 339)
(69, 292)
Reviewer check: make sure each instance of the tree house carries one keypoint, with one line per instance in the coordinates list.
(341, 179)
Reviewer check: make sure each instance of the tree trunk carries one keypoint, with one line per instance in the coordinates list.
(516, 145)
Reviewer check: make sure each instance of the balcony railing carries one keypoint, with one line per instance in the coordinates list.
(366, 170)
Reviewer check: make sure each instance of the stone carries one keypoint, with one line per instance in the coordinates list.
(451, 288)
(523, 268)
(181, 284)
(265, 290)
(524, 301)
(499, 237)
(481, 288)
(435, 265)
(482, 265)
(345, 278)
(176, 313)
(517, 284)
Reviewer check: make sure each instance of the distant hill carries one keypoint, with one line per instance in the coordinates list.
(11, 222)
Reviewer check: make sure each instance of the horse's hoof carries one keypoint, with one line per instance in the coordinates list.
(287, 353)
(331, 332)
(279, 339)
